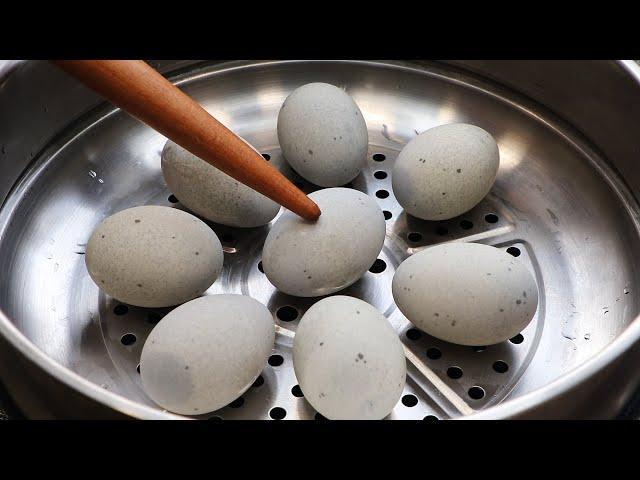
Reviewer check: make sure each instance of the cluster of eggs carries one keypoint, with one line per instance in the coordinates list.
(209, 350)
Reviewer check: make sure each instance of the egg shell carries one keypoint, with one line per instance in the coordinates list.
(213, 194)
(348, 360)
(206, 353)
(309, 259)
(323, 134)
(153, 256)
(445, 171)
(466, 293)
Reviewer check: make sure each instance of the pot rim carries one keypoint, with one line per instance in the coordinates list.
(508, 409)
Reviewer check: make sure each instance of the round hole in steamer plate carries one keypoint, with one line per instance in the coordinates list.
(172, 198)
(378, 266)
(414, 334)
(260, 266)
(382, 194)
(379, 157)
(454, 372)
(491, 218)
(515, 251)
(237, 403)
(442, 231)
(276, 360)
(518, 339)
(380, 175)
(287, 313)
(476, 392)
(387, 214)
(409, 400)
(120, 309)
(430, 418)
(500, 367)
(414, 237)
(318, 416)
(277, 413)
(128, 339)
(266, 156)
(466, 224)
(434, 353)
(296, 391)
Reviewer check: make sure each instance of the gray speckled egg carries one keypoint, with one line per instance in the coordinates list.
(348, 360)
(309, 259)
(466, 293)
(213, 194)
(445, 171)
(206, 353)
(153, 256)
(323, 135)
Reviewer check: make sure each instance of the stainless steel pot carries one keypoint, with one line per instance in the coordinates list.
(565, 203)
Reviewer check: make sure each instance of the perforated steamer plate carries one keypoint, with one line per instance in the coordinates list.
(555, 206)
